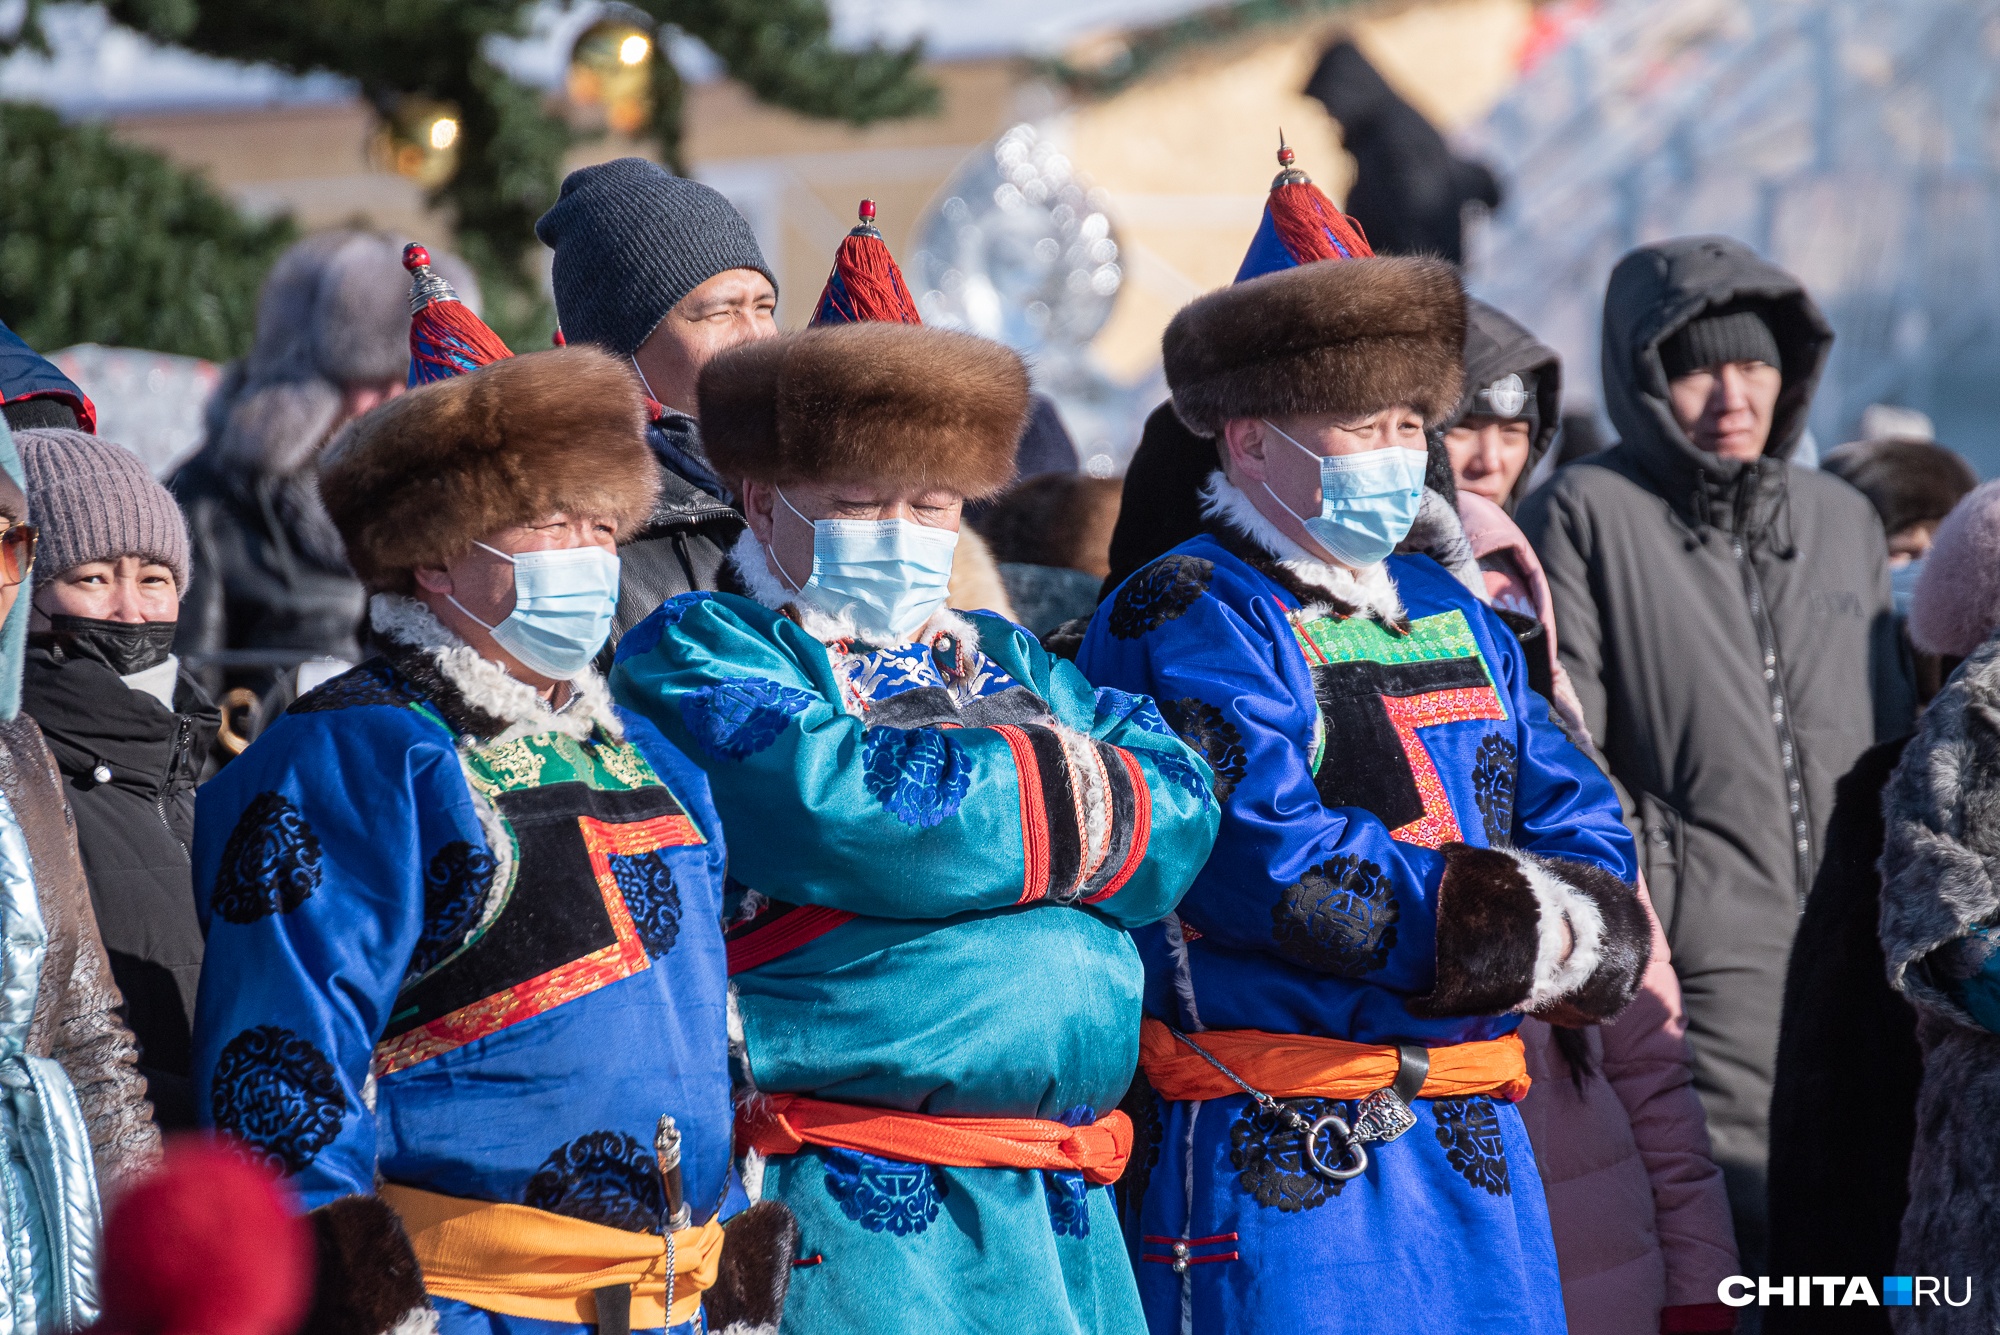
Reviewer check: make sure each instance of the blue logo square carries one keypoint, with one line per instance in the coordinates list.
(1898, 1290)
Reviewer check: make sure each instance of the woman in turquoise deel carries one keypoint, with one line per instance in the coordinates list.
(939, 836)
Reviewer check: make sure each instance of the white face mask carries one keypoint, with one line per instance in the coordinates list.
(889, 576)
(563, 604)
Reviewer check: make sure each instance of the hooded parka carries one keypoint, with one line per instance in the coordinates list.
(1496, 346)
(1728, 628)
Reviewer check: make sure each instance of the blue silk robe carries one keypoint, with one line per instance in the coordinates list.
(905, 817)
(478, 969)
(1344, 756)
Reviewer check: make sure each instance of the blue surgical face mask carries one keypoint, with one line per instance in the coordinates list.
(563, 603)
(1367, 502)
(1903, 583)
(889, 576)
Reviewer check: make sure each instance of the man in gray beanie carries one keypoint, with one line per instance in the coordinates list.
(269, 583)
(665, 271)
(129, 730)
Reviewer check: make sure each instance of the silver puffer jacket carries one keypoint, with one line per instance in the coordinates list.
(73, 1109)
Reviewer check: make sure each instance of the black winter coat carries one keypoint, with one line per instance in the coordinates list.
(685, 545)
(1848, 1070)
(134, 830)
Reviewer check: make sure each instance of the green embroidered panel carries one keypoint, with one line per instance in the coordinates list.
(553, 757)
(1366, 640)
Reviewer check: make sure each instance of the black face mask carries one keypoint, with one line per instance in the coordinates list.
(123, 646)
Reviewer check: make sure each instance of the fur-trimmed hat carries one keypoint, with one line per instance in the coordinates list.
(417, 481)
(1335, 336)
(867, 401)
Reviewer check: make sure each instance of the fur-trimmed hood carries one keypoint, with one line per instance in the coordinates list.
(1337, 336)
(420, 479)
(861, 402)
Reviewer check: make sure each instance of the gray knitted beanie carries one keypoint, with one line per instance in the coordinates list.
(94, 501)
(631, 239)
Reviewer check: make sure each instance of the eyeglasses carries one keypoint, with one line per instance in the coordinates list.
(17, 552)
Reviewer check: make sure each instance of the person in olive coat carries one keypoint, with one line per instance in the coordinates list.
(128, 728)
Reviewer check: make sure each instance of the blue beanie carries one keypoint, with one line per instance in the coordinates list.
(631, 239)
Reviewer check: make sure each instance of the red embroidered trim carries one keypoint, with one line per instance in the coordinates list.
(795, 929)
(1034, 820)
(1437, 826)
(1192, 1242)
(1142, 828)
(624, 957)
(1191, 1260)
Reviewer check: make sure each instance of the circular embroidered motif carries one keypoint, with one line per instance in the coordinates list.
(601, 1177)
(681, 604)
(1138, 710)
(455, 886)
(1068, 1197)
(917, 774)
(373, 683)
(1269, 1158)
(1180, 772)
(279, 1095)
(1203, 727)
(1469, 1130)
(270, 864)
(1493, 788)
(883, 1195)
(651, 897)
(737, 718)
(1339, 918)
(1160, 593)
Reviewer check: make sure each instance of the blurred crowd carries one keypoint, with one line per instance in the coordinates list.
(1781, 672)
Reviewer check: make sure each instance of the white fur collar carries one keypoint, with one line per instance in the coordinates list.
(752, 567)
(486, 685)
(1372, 589)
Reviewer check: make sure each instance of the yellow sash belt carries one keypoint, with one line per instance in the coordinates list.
(522, 1262)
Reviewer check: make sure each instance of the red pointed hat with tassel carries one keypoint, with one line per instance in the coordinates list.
(865, 283)
(446, 338)
(1300, 225)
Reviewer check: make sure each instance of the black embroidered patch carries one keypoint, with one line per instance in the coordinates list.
(455, 887)
(1493, 788)
(1469, 1130)
(278, 1095)
(1339, 918)
(1160, 593)
(651, 897)
(602, 1177)
(271, 863)
(1203, 727)
(373, 683)
(1268, 1153)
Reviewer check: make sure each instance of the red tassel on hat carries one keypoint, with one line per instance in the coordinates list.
(1311, 227)
(206, 1244)
(1300, 225)
(446, 338)
(865, 283)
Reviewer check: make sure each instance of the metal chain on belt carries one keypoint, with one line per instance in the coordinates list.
(1353, 1160)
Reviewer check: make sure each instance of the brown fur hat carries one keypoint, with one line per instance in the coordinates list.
(855, 402)
(1335, 336)
(418, 480)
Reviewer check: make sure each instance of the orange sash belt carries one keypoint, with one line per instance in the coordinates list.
(786, 1123)
(1293, 1066)
(525, 1262)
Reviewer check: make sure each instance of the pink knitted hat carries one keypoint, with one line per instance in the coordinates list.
(1957, 602)
(94, 501)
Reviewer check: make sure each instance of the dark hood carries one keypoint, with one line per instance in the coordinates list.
(1656, 290)
(1495, 345)
(26, 374)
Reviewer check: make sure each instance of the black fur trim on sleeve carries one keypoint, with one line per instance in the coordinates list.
(366, 1279)
(1488, 932)
(758, 1248)
(1624, 948)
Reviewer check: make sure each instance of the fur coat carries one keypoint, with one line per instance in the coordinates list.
(1942, 813)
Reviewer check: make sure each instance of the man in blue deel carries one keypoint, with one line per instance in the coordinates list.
(1412, 856)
